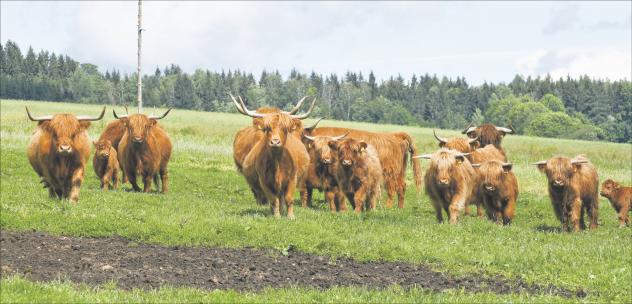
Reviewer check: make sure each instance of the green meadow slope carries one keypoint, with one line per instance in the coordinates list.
(209, 204)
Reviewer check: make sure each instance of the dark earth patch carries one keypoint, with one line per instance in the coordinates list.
(95, 261)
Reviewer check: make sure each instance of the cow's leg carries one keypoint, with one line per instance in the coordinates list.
(51, 193)
(373, 200)
(401, 193)
(330, 197)
(575, 212)
(593, 212)
(479, 209)
(508, 212)
(77, 179)
(456, 205)
(164, 179)
(390, 192)
(359, 197)
(582, 223)
(438, 213)
(306, 195)
(131, 177)
(115, 178)
(340, 200)
(147, 178)
(289, 199)
(105, 180)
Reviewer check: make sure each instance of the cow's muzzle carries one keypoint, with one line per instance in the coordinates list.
(137, 139)
(326, 161)
(490, 188)
(346, 162)
(64, 149)
(444, 181)
(558, 183)
(275, 142)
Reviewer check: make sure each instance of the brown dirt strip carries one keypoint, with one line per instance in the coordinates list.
(95, 261)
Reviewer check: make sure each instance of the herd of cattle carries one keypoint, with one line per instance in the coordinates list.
(278, 155)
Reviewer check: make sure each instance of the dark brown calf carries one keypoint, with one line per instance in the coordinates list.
(450, 182)
(58, 152)
(573, 185)
(145, 149)
(321, 174)
(620, 198)
(497, 190)
(105, 163)
(358, 172)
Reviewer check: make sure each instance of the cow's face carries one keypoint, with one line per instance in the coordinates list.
(64, 129)
(138, 127)
(276, 128)
(445, 162)
(460, 144)
(488, 134)
(608, 188)
(320, 147)
(559, 171)
(493, 174)
(103, 148)
(350, 151)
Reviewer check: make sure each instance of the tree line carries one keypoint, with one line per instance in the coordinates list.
(582, 108)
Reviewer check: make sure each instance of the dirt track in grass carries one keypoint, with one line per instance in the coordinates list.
(95, 261)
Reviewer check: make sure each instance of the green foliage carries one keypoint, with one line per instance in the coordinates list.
(553, 103)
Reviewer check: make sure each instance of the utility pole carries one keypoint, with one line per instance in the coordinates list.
(139, 83)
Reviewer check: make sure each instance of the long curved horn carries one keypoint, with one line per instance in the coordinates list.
(91, 118)
(542, 162)
(463, 154)
(239, 109)
(313, 126)
(118, 116)
(469, 128)
(247, 112)
(440, 139)
(309, 111)
(41, 118)
(578, 161)
(309, 137)
(296, 107)
(337, 138)
(504, 130)
(161, 116)
(424, 156)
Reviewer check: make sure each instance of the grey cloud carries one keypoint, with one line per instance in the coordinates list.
(561, 19)
(551, 61)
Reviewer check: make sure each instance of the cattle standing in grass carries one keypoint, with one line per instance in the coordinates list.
(450, 182)
(321, 173)
(279, 159)
(488, 134)
(573, 185)
(114, 132)
(393, 150)
(145, 149)
(620, 198)
(58, 152)
(246, 138)
(475, 156)
(105, 163)
(497, 190)
(358, 172)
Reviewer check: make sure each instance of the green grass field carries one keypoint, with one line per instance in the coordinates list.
(209, 204)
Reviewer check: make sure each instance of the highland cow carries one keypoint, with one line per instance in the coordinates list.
(105, 163)
(488, 134)
(620, 198)
(497, 190)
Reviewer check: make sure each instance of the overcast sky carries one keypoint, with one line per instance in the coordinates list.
(484, 41)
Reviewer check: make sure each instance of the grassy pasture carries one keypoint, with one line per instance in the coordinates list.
(211, 205)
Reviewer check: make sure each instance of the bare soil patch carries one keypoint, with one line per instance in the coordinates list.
(95, 261)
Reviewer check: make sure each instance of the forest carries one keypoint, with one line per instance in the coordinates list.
(575, 108)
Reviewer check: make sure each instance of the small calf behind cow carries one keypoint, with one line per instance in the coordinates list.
(620, 198)
(497, 190)
(573, 185)
(105, 163)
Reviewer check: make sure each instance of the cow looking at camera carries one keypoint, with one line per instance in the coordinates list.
(497, 190)
(144, 150)
(450, 182)
(573, 185)
(58, 152)
(105, 163)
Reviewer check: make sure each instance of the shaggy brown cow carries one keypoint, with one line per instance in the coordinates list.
(321, 174)
(393, 150)
(475, 156)
(488, 134)
(58, 152)
(114, 132)
(246, 138)
(497, 190)
(105, 163)
(620, 198)
(358, 172)
(450, 182)
(145, 149)
(279, 159)
(573, 186)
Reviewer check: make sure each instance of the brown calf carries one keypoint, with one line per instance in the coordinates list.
(573, 185)
(450, 182)
(279, 159)
(497, 190)
(393, 150)
(358, 172)
(105, 163)
(321, 174)
(145, 149)
(620, 198)
(488, 134)
(58, 152)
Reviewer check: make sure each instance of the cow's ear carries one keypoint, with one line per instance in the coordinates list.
(124, 120)
(257, 123)
(84, 125)
(363, 146)
(309, 145)
(441, 144)
(296, 123)
(152, 122)
(459, 159)
(507, 167)
(542, 167)
(44, 124)
(617, 186)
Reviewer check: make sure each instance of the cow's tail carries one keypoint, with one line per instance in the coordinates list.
(415, 162)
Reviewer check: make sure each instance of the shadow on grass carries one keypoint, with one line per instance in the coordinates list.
(255, 212)
(548, 229)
